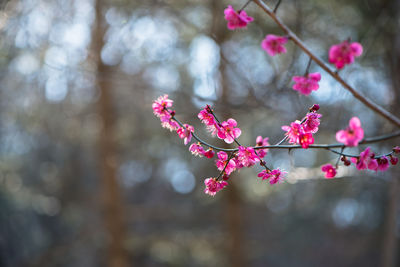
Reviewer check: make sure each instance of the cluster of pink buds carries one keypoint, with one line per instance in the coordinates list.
(302, 132)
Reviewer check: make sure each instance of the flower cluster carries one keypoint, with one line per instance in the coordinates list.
(274, 176)
(298, 132)
(366, 160)
(274, 44)
(226, 130)
(306, 84)
(236, 19)
(161, 109)
(344, 53)
(302, 132)
(352, 135)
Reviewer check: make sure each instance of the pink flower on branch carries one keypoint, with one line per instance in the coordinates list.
(246, 157)
(160, 106)
(274, 44)
(329, 170)
(168, 122)
(307, 84)
(213, 186)
(236, 19)
(275, 176)
(262, 142)
(228, 132)
(366, 160)
(197, 149)
(352, 135)
(312, 122)
(293, 132)
(383, 164)
(185, 133)
(393, 160)
(206, 116)
(306, 140)
(209, 153)
(223, 160)
(344, 53)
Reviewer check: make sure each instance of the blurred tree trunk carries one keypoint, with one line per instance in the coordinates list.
(110, 193)
(233, 211)
(390, 240)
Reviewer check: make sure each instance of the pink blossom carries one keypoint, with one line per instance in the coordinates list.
(209, 153)
(366, 160)
(222, 161)
(264, 174)
(262, 142)
(213, 186)
(236, 19)
(168, 122)
(160, 106)
(246, 156)
(274, 44)
(277, 176)
(307, 84)
(352, 135)
(344, 53)
(393, 160)
(185, 133)
(329, 170)
(228, 131)
(293, 132)
(206, 116)
(396, 149)
(197, 149)
(306, 140)
(312, 122)
(383, 164)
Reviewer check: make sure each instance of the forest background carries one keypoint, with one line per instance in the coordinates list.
(89, 178)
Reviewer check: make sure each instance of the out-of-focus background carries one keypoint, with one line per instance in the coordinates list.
(89, 178)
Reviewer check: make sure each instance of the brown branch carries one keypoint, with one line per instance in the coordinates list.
(363, 99)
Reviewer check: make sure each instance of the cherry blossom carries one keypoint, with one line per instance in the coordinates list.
(213, 186)
(185, 133)
(236, 19)
(344, 53)
(228, 131)
(264, 174)
(306, 140)
(366, 160)
(393, 160)
(168, 122)
(246, 156)
(161, 104)
(307, 84)
(352, 135)
(262, 142)
(274, 44)
(312, 122)
(329, 170)
(383, 164)
(293, 132)
(209, 153)
(222, 161)
(277, 176)
(197, 149)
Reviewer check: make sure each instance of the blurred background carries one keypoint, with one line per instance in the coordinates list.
(89, 178)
